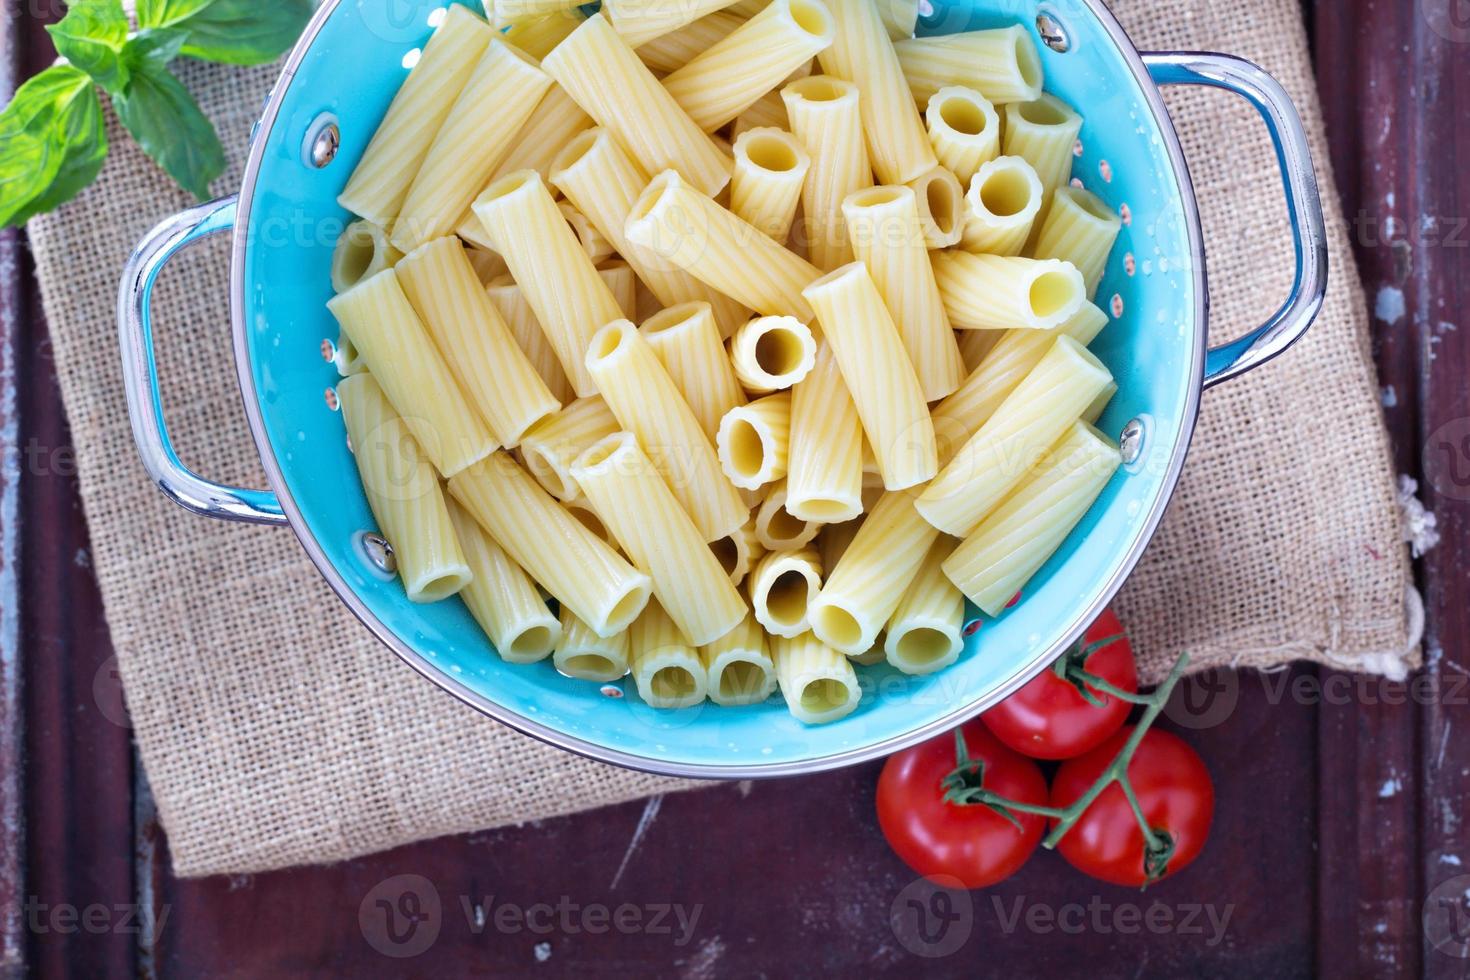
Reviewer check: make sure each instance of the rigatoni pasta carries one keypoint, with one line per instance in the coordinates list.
(404, 494)
(1053, 396)
(754, 441)
(988, 292)
(666, 669)
(1003, 64)
(782, 586)
(1011, 545)
(772, 353)
(1044, 132)
(581, 572)
(475, 342)
(1079, 229)
(399, 147)
(1004, 199)
(964, 129)
(738, 666)
(642, 513)
(770, 170)
(726, 78)
(825, 115)
(394, 344)
(362, 252)
(605, 77)
(883, 225)
(640, 21)
(672, 51)
(862, 53)
(879, 374)
(647, 403)
(825, 460)
(582, 654)
(925, 632)
(551, 448)
(502, 597)
(941, 202)
(511, 304)
(776, 528)
(689, 229)
(558, 279)
(818, 683)
(688, 345)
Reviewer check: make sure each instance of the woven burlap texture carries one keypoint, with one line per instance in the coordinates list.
(275, 731)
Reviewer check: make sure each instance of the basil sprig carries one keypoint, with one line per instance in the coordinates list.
(53, 139)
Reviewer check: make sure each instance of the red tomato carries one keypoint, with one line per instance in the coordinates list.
(1050, 719)
(1174, 792)
(970, 842)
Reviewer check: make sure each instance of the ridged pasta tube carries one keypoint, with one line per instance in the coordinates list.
(404, 494)
(878, 373)
(640, 21)
(1053, 395)
(475, 341)
(647, 403)
(502, 598)
(825, 462)
(688, 345)
(964, 129)
(1011, 545)
(672, 51)
(738, 552)
(643, 515)
(511, 303)
(666, 669)
(584, 655)
(1044, 132)
(396, 347)
(925, 633)
(782, 586)
(689, 229)
(551, 447)
(739, 667)
(605, 77)
(775, 527)
(1001, 207)
(941, 202)
(1081, 229)
(1003, 65)
(771, 167)
(754, 441)
(990, 292)
(818, 683)
(883, 225)
(580, 571)
(772, 353)
(826, 117)
(362, 252)
(867, 583)
(725, 79)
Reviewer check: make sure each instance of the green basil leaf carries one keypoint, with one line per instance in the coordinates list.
(52, 143)
(91, 36)
(236, 32)
(152, 49)
(168, 124)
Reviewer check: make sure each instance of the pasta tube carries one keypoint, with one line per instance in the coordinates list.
(776, 529)
(640, 21)
(878, 373)
(555, 123)
(1002, 205)
(666, 669)
(754, 441)
(782, 586)
(362, 252)
(672, 51)
(557, 278)
(391, 338)
(1002, 65)
(772, 353)
(689, 229)
(1012, 544)
(818, 683)
(551, 447)
(770, 170)
(1004, 367)
(883, 225)
(724, 80)
(510, 302)
(345, 356)
(1079, 229)
(739, 667)
(861, 52)
(404, 494)
(1044, 132)
(1053, 396)
(474, 341)
(825, 481)
(737, 553)
(502, 598)
(925, 633)
(941, 202)
(647, 403)
(964, 129)
(989, 292)
(868, 581)
(580, 570)
(826, 117)
(643, 515)
(584, 655)
(688, 345)
(598, 176)
(1093, 412)
(612, 86)
(538, 35)
(397, 151)
(500, 96)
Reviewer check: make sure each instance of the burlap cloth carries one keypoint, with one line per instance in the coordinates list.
(275, 731)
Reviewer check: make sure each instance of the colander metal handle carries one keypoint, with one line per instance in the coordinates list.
(140, 373)
(1303, 203)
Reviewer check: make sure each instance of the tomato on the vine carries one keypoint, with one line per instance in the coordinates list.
(1050, 718)
(1174, 792)
(971, 842)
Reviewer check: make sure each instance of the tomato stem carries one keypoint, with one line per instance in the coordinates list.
(965, 784)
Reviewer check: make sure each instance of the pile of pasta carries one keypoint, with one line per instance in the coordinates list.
(860, 389)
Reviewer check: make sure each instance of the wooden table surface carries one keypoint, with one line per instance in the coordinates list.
(1340, 805)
